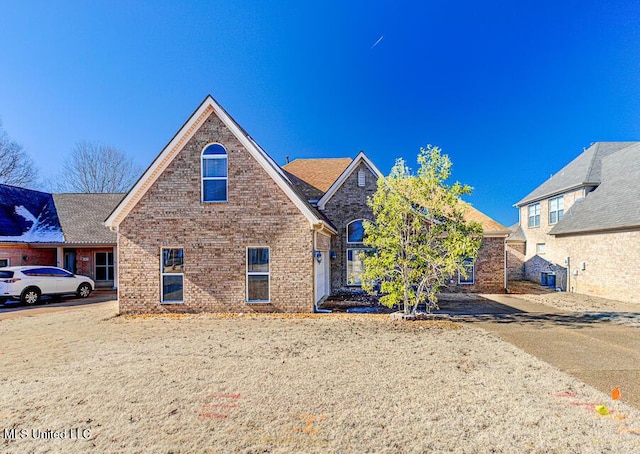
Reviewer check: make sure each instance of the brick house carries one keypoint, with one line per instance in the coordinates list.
(65, 230)
(340, 188)
(582, 226)
(214, 224)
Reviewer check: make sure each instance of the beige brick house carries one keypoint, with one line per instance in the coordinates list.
(582, 226)
(339, 188)
(214, 224)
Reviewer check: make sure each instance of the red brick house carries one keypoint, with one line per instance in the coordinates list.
(65, 230)
(214, 224)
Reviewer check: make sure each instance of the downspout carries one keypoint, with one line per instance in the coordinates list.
(320, 311)
(506, 268)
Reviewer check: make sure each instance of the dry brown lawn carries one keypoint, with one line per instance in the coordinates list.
(324, 383)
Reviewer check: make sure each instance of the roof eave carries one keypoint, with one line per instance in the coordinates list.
(595, 230)
(528, 201)
(173, 148)
(361, 156)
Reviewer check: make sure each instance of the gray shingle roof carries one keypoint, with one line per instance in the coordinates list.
(82, 215)
(584, 170)
(517, 234)
(615, 203)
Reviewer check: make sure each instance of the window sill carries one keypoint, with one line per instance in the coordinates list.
(166, 303)
(258, 302)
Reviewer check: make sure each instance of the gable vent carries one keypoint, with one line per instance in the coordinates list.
(361, 178)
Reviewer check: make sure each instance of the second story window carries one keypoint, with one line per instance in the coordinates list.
(214, 173)
(556, 209)
(534, 215)
(355, 231)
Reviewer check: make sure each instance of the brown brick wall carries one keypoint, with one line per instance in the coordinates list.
(348, 204)
(489, 268)
(515, 260)
(215, 236)
(17, 254)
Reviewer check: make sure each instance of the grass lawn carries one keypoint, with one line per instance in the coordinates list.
(322, 383)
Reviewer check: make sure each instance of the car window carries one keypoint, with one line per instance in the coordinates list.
(59, 272)
(6, 274)
(36, 272)
(52, 272)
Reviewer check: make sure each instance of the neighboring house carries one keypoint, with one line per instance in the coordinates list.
(214, 224)
(582, 226)
(66, 230)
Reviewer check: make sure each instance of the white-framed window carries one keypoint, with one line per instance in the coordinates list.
(214, 173)
(556, 209)
(4, 262)
(258, 275)
(362, 178)
(540, 248)
(467, 272)
(355, 265)
(355, 232)
(172, 275)
(104, 266)
(534, 214)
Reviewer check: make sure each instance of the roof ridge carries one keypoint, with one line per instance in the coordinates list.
(593, 159)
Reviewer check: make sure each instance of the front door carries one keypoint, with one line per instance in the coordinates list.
(321, 263)
(70, 261)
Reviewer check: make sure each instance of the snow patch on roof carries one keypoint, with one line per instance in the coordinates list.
(28, 216)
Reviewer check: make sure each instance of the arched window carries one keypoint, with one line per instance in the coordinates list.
(355, 231)
(214, 173)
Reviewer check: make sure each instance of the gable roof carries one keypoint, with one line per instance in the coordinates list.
(81, 217)
(490, 227)
(208, 107)
(585, 170)
(28, 216)
(615, 203)
(313, 176)
(360, 158)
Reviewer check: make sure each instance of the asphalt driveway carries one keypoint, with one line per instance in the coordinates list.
(600, 349)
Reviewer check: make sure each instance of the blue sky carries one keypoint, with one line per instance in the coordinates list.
(511, 91)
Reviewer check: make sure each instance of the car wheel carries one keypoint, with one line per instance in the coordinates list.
(30, 296)
(84, 290)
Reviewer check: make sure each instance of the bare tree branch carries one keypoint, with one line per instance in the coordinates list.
(16, 166)
(100, 168)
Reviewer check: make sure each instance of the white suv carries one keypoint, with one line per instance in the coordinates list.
(29, 283)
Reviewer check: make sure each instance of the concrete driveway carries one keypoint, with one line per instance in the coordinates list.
(600, 349)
